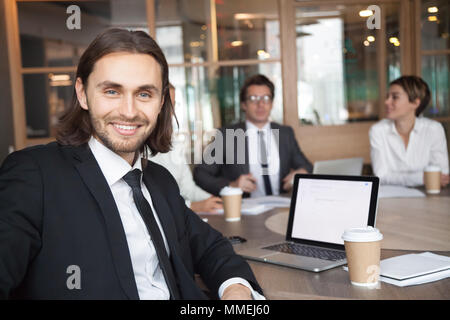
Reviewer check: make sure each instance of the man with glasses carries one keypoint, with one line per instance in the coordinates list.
(270, 158)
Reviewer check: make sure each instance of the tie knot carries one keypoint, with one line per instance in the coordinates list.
(133, 178)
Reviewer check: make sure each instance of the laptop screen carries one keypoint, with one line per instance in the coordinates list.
(324, 208)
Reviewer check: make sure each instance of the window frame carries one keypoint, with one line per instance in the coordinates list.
(411, 59)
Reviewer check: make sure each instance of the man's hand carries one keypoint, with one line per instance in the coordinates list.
(209, 205)
(246, 182)
(237, 291)
(445, 179)
(288, 180)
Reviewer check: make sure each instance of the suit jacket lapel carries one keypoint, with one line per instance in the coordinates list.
(246, 167)
(282, 151)
(188, 288)
(162, 209)
(92, 176)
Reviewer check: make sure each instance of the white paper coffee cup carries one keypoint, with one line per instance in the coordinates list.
(432, 179)
(230, 191)
(362, 248)
(232, 200)
(367, 234)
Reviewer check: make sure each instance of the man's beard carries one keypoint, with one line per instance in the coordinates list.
(119, 146)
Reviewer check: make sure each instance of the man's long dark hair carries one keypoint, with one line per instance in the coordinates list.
(75, 127)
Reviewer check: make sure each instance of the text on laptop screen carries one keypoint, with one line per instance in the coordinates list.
(325, 208)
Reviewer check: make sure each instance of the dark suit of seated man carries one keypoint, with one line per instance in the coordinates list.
(258, 156)
(87, 218)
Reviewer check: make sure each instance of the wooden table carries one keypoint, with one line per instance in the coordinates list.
(416, 223)
(406, 223)
(398, 219)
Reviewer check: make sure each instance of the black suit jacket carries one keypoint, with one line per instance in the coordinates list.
(213, 177)
(57, 210)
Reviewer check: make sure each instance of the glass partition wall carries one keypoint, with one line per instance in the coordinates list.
(330, 69)
(338, 59)
(435, 49)
(434, 58)
(50, 50)
(212, 47)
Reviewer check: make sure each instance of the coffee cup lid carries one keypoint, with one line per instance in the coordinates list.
(367, 234)
(432, 168)
(230, 191)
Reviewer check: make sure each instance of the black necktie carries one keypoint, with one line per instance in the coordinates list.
(133, 179)
(264, 162)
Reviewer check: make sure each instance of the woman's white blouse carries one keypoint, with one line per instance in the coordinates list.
(396, 165)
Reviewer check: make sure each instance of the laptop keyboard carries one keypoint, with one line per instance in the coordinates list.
(308, 251)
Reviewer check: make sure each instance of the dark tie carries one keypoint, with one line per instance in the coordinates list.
(133, 179)
(264, 162)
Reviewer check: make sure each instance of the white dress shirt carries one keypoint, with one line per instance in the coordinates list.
(273, 159)
(148, 275)
(397, 165)
(149, 278)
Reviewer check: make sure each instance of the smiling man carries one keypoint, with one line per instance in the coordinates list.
(122, 113)
(87, 217)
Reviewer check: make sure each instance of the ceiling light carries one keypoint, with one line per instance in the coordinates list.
(196, 44)
(237, 43)
(371, 38)
(250, 16)
(365, 13)
(317, 14)
(393, 39)
(59, 77)
(433, 9)
(263, 54)
(59, 80)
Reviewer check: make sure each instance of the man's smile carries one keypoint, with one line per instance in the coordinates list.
(126, 129)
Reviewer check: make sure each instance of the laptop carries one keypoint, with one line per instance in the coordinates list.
(322, 207)
(349, 166)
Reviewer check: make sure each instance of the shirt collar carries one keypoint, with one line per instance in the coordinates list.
(251, 126)
(416, 129)
(417, 125)
(392, 127)
(113, 166)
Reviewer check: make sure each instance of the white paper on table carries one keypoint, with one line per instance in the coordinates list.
(414, 269)
(269, 201)
(418, 280)
(413, 265)
(255, 206)
(388, 191)
(251, 209)
(248, 209)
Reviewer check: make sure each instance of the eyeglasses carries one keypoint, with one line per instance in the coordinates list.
(255, 99)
